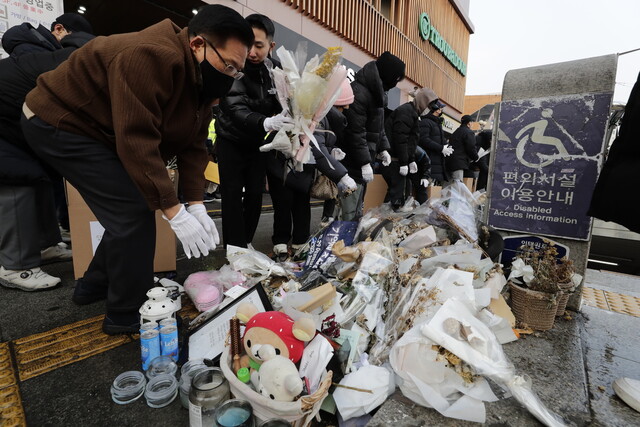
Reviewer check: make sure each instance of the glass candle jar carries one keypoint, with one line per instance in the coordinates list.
(209, 388)
(161, 390)
(234, 413)
(162, 365)
(128, 387)
(188, 371)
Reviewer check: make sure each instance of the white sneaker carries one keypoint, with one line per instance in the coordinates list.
(628, 390)
(55, 253)
(280, 252)
(66, 235)
(33, 279)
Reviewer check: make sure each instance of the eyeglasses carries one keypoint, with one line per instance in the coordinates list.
(229, 69)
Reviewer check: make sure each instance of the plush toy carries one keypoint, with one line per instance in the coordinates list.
(277, 379)
(273, 333)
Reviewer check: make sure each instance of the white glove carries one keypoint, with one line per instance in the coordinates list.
(447, 150)
(367, 173)
(277, 122)
(338, 154)
(281, 142)
(424, 182)
(347, 184)
(200, 212)
(194, 238)
(413, 168)
(404, 170)
(385, 157)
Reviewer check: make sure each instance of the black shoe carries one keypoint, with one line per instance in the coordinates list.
(121, 323)
(85, 294)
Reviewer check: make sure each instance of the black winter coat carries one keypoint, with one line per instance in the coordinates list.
(324, 162)
(364, 135)
(24, 38)
(615, 197)
(18, 75)
(402, 130)
(463, 142)
(250, 100)
(432, 141)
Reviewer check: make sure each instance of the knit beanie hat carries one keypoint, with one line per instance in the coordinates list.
(391, 69)
(346, 94)
(73, 22)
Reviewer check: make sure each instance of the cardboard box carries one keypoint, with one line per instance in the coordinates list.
(433, 191)
(470, 183)
(86, 233)
(376, 192)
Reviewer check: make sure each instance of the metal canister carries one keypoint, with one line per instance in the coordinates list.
(169, 341)
(149, 347)
(148, 326)
(169, 321)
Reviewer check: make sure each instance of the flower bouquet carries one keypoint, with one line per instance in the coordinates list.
(306, 96)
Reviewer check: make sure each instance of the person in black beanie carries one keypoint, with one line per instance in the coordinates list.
(364, 136)
(463, 142)
(72, 22)
(433, 141)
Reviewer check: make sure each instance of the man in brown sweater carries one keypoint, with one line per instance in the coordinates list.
(111, 116)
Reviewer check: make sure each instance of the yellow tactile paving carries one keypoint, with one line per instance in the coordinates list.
(612, 301)
(11, 411)
(44, 352)
(7, 375)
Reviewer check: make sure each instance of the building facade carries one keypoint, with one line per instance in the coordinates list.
(430, 36)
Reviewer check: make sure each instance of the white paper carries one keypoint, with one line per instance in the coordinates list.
(353, 403)
(315, 359)
(97, 231)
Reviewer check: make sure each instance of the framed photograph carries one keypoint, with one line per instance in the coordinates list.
(206, 341)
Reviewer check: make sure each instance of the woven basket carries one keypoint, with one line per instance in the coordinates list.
(563, 297)
(299, 413)
(535, 309)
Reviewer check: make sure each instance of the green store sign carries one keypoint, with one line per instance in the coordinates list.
(429, 32)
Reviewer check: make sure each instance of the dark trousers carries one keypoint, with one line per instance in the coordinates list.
(329, 208)
(396, 184)
(419, 190)
(123, 261)
(27, 224)
(240, 168)
(291, 210)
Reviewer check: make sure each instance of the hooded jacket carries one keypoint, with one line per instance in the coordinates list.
(24, 38)
(432, 141)
(402, 127)
(364, 135)
(250, 100)
(18, 164)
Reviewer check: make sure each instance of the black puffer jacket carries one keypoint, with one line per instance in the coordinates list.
(250, 100)
(463, 142)
(24, 38)
(365, 135)
(620, 172)
(324, 162)
(432, 141)
(402, 130)
(18, 76)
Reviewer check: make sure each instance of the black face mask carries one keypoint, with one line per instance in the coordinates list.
(215, 84)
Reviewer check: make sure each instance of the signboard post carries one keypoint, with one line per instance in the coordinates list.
(548, 151)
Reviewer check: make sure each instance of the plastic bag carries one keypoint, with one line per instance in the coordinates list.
(478, 347)
(204, 289)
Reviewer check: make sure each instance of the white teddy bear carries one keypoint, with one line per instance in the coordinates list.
(278, 377)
